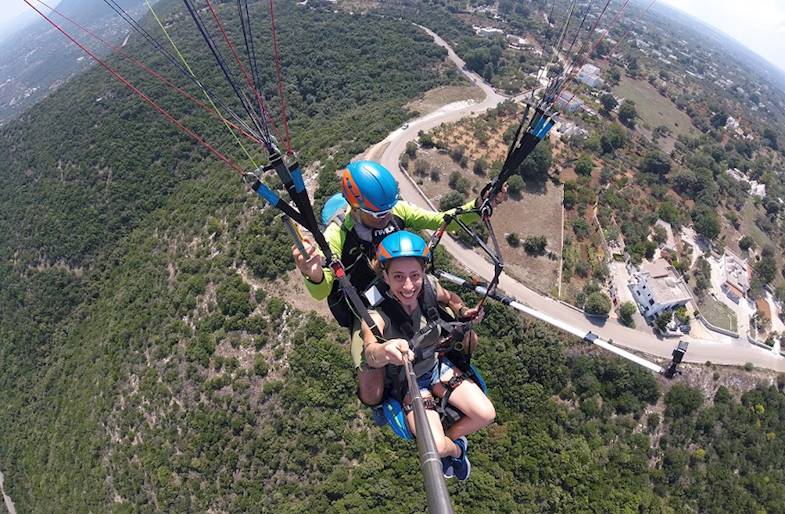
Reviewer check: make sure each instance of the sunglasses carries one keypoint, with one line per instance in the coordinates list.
(376, 214)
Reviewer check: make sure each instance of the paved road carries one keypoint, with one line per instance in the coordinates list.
(387, 152)
(9, 505)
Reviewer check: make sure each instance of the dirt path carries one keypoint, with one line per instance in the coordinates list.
(9, 504)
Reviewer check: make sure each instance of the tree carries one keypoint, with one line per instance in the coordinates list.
(480, 166)
(766, 268)
(702, 274)
(451, 200)
(584, 165)
(705, 222)
(411, 149)
(597, 303)
(682, 401)
(612, 139)
(655, 162)
(662, 320)
(628, 113)
(513, 239)
(535, 245)
(515, 185)
(459, 182)
(626, 311)
(426, 139)
(719, 119)
(608, 102)
(581, 228)
(746, 242)
(537, 164)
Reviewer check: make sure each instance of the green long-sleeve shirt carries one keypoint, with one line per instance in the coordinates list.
(414, 218)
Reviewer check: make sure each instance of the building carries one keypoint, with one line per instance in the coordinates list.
(735, 276)
(568, 102)
(488, 31)
(516, 42)
(589, 74)
(569, 129)
(656, 289)
(756, 188)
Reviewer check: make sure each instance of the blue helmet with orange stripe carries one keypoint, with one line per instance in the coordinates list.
(370, 186)
(402, 244)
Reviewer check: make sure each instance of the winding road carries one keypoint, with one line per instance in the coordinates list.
(725, 351)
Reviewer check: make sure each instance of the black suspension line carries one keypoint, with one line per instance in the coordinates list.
(258, 122)
(157, 45)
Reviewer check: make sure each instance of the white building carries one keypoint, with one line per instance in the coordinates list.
(569, 129)
(735, 276)
(756, 188)
(589, 74)
(567, 101)
(516, 42)
(488, 31)
(656, 289)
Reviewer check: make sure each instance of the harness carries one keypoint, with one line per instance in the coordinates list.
(356, 255)
(449, 344)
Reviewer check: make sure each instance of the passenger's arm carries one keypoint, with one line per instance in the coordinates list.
(378, 354)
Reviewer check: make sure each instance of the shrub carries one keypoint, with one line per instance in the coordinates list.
(451, 200)
(626, 311)
(598, 303)
(515, 185)
(535, 245)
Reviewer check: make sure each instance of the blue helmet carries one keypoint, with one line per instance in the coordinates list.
(369, 185)
(332, 207)
(402, 244)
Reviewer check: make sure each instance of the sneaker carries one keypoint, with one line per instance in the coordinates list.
(377, 414)
(447, 467)
(461, 466)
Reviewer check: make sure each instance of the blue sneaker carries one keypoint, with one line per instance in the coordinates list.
(447, 467)
(377, 414)
(461, 466)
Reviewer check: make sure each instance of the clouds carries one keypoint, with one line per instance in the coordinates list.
(759, 24)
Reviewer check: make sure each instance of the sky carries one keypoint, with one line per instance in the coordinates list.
(13, 9)
(758, 24)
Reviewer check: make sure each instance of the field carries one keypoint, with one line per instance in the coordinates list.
(444, 95)
(718, 314)
(535, 213)
(653, 108)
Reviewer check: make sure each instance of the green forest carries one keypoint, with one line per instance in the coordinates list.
(143, 371)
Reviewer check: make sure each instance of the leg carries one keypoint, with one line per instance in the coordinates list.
(468, 398)
(370, 381)
(444, 445)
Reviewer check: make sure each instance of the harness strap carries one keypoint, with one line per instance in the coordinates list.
(452, 384)
(430, 402)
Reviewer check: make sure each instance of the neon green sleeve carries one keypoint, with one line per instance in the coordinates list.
(335, 237)
(416, 218)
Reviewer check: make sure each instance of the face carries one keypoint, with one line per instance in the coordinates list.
(405, 276)
(372, 222)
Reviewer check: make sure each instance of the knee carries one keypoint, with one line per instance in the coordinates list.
(370, 388)
(486, 413)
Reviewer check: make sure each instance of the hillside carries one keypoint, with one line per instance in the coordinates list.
(143, 373)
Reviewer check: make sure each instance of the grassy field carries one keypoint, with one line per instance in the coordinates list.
(718, 314)
(653, 108)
